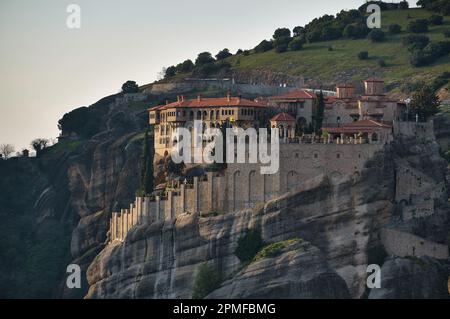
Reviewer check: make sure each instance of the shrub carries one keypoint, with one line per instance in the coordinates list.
(420, 58)
(275, 249)
(403, 5)
(225, 53)
(355, 31)
(206, 281)
(329, 33)
(438, 6)
(416, 42)
(264, 46)
(281, 44)
(296, 44)
(349, 31)
(83, 121)
(376, 35)
(186, 66)
(239, 51)
(282, 33)
(130, 87)
(395, 28)
(447, 34)
(249, 245)
(381, 63)
(281, 48)
(330, 48)
(436, 19)
(363, 55)
(434, 51)
(418, 26)
(204, 58)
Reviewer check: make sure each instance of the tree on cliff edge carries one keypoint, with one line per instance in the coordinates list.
(146, 183)
(39, 144)
(424, 103)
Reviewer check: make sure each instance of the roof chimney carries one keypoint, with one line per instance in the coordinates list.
(199, 98)
(167, 102)
(178, 98)
(182, 98)
(228, 96)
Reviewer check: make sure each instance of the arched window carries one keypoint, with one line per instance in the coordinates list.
(374, 137)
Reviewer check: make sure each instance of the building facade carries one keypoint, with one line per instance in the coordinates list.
(213, 112)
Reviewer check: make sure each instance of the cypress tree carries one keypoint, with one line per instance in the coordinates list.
(319, 112)
(146, 182)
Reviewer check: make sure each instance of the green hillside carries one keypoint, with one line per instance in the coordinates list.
(316, 61)
(329, 62)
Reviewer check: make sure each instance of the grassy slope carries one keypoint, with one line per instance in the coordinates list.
(315, 61)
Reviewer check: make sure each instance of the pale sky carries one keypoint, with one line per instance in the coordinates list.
(48, 69)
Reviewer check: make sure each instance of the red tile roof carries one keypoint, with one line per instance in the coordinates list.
(209, 102)
(300, 94)
(283, 117)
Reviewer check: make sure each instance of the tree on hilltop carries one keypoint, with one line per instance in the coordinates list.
(281, 32)
(298, 31)
(376, 35)
(223, 54)
(130, 87)
(204, 58)
(39, 144)
(170, 72)
(6, 150)
(264, 46)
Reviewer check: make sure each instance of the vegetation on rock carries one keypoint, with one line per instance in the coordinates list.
(207, 280)
(249, 245)
(275, 249)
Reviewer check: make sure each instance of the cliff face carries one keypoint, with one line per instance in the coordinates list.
(339, 222)
(340, 225)
(67, 203)
(61, 202)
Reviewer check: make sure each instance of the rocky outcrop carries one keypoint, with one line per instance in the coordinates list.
(300, 271)
(412, 277)
(340, 221)
(342, 225)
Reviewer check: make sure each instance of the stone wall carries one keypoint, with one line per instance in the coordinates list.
(401, 244)
(243, 186)
(415, 129)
